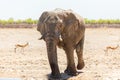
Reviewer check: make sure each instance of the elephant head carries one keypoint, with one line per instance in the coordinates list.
(52, 25)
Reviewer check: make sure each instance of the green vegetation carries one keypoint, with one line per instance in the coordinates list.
(87, 21)
(19, 21)
(102, 21)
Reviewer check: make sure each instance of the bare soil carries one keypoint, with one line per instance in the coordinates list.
(32, 64)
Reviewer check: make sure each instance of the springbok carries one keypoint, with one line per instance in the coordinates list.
(111, 48)
(22, 46)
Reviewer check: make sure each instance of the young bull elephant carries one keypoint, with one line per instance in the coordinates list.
(68, 26)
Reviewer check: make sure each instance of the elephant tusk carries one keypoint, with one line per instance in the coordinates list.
(40, 38)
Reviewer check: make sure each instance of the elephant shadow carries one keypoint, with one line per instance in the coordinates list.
(64, 76)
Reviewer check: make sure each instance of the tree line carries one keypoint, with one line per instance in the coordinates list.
(102, 21)
(19, 21)
(87, 21)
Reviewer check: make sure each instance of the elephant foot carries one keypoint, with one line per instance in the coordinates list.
(80, 65)
(55, 76)
(71, 71)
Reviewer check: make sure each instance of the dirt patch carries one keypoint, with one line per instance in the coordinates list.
(33, 63)
(23, 25)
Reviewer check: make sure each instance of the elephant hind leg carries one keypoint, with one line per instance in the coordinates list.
(79, 51)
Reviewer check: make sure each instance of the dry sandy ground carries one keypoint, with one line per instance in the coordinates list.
(33, 63)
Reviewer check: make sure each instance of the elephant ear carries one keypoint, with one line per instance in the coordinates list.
(41, 23)
(73, 22)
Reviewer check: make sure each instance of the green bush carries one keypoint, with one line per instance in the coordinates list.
(10, 21)
(102, 21)
(19, 21)
(3, 22)
(87, 21)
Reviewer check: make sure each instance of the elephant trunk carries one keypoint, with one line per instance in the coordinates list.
(52, 55)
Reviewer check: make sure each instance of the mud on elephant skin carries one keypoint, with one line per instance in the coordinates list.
(65, 29)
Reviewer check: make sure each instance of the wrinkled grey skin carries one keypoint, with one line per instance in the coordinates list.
(64, 29)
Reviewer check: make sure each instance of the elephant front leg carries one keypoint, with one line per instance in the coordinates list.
(55, 71)
(54, 67)
(70, 70)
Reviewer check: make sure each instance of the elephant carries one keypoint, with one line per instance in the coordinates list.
(65, 29)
